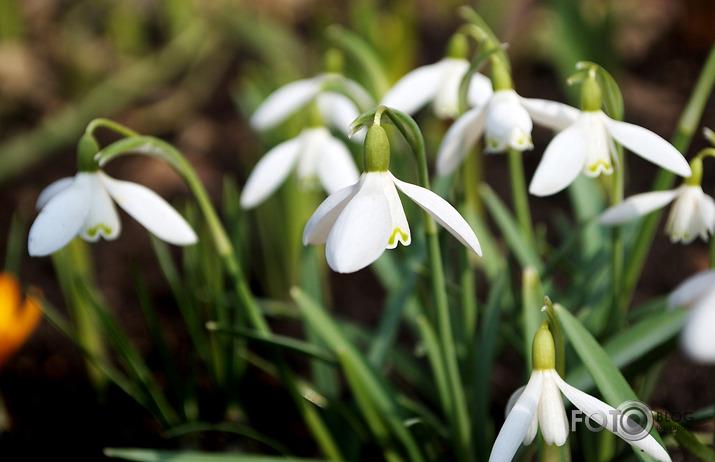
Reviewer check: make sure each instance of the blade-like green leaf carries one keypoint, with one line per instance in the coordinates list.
(156, 455)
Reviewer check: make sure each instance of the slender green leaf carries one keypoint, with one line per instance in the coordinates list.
(156, 455)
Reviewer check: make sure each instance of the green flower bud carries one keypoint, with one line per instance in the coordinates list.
(543, 351)
(87, 148)
(501, 78)
(591, 95)
(457, 47)
(376, 152)
(696, 165)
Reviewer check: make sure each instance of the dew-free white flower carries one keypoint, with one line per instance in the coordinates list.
(692, 213)
(506, 120)
(314, 154)
(588, 146)
(698, 294)
(539, 404)
(337, 109)
(82, 205)
(437, 83)
(359, 222)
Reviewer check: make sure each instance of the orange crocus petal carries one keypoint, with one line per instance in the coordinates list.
(17, 320)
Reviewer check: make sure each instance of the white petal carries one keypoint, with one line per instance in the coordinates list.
(355, 92)
(151, 211)
(60, 219)
(684, 222)
(517, 423)
(600, 149)
(706, 207)
(561, 163)
(637, 206)
(697, 336)
(446, 100)
(442, 212)
(336, 168)
(52, 190)
(415, 88)
(533, 426)
(648, 145)
(551, 412)
(480, 90)
(270, 172)
(102, 219)
(362, 230)
(459, 139)
(337, 110)
(283, 102)
(550, 114)
(400, 227)
(508, 123)
(613, 420)
(692, 289)
(321, 222)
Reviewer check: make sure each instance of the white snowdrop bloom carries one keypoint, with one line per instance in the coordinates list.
(315, 155)
(337, 109)
(437, 83)
(82, 206)
(587, 146)
(698, 294)
(506, 122)
(692, 213)
(359, 222)
(540, 405)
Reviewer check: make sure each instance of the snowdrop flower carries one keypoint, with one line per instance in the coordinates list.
(437, 83)
(314, 152)
(588, 146)
(82, 205)
(698, 294)
(540, 405)
(359, 222)
(505, 119)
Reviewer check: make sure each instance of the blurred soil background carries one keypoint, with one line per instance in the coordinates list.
(190, 72)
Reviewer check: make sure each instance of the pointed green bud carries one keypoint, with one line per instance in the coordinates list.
(543, 351)
(696, 165)
(591, 95)
(501, 78)
(87, 149)
(457, 47)
(376, 153)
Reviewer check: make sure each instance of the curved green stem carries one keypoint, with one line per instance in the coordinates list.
(112, 125)
(520, 197)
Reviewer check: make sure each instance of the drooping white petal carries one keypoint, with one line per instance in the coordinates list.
(706, 207)
(637, 206)
(550, 114)
(60, 219)
(461, 136)
(52, 190)
(337, 110)
(318, 228)
(615, 421)
(283, 102)
(684, 221)
(361, 232)
(551, 412)
(150, 210)
(692, 289)
(400, 227)
(312, 141)
(102, 219)
(446, 99)
(648, 145)
(518, 421)
(697, 336)
(508, 123)
(480, 90)
(533, 426)
(563, 160)
(442, 212)
(600, 150)
(270, 172)
(336, 168)
(415, 88)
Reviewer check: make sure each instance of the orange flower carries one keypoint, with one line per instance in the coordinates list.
(18, 318)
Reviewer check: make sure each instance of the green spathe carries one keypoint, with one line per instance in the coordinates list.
(376, 153)
(543, 351)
